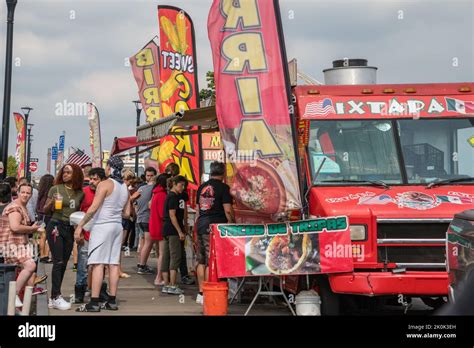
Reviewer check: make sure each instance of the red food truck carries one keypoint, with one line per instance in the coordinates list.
(398, 160)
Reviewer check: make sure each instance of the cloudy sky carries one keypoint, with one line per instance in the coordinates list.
(76, 51)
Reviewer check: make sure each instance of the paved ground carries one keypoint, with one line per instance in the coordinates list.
(138, 295)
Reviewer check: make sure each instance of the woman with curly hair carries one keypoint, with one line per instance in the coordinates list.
(45, 184)
(64, 198)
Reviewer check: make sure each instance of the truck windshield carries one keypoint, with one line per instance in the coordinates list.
(436, 150)
(366, 150)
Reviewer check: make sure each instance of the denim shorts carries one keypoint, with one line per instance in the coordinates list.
(141, 228)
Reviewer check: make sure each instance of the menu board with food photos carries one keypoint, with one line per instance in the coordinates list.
(313, 246)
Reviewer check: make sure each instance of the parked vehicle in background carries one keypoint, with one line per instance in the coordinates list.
(460, 252)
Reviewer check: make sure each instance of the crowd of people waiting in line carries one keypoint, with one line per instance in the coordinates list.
(122, 214)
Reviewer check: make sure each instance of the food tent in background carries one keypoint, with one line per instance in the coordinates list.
(149, 135)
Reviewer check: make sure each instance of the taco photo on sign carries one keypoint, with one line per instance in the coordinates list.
(286, 254)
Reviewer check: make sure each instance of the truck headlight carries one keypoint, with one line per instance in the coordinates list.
(358, 232)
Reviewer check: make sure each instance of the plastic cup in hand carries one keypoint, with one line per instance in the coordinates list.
(58, 201)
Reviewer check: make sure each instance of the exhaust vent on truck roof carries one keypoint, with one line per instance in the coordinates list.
(349, 62)
(350, 72)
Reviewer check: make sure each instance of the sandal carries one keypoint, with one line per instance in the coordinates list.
(40, 279)
(88, 308)
(159, 283)
(124, 275)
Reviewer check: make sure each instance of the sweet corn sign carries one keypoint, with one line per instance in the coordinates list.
(146, 72)
(178, 89)
(253, 104)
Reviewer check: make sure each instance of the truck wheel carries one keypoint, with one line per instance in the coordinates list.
(434, 302)
(330, 301)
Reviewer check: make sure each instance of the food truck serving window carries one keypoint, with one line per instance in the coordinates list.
(354, 150)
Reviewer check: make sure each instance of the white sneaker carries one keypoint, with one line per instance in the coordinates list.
(61, 304)
(50, 303)
(18, 302)
(200, 299)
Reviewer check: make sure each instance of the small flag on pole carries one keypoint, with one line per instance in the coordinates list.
(54, 153)
(80, 158)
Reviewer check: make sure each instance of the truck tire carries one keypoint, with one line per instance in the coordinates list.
(330, 301)
(434, 302)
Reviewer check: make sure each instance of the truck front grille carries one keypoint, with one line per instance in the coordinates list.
(412, 245)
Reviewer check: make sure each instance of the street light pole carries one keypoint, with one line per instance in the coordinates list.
(139, 111)
(28, 154)
(8, 84)
(26, 111)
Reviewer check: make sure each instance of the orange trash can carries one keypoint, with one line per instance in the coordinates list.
(215, 298)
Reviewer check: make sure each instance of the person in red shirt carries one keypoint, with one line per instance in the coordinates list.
(83, 281)
(156, 220)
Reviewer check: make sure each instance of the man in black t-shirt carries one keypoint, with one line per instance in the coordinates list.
(173, 234)
(214, 206)
(173, 170)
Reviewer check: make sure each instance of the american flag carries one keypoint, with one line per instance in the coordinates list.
(319, 108)
(79, 158)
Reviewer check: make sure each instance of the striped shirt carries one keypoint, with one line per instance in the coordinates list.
(6, 234)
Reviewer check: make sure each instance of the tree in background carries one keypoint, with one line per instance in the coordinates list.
(12, 166)
(209, 94)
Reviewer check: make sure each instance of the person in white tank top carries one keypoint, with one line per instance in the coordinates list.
(110, 205)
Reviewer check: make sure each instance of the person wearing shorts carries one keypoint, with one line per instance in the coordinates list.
(173, 170)
(214, 206)
(109, 206)
(173, 234)
(142, 199)
(14, 230)
(157, 208)
(95, 175)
